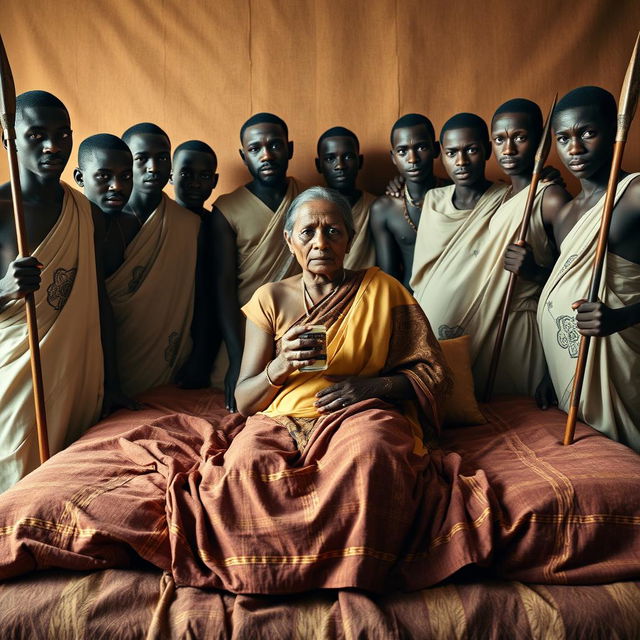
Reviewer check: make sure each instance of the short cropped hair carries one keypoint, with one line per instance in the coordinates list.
(465, 121)
(320, 193)
(144, 128)
(99, 141)
(37, 98)
(338, 132)
(522, 105)
(260, 118)
(589, 96)
(196, 145)
(412, 120)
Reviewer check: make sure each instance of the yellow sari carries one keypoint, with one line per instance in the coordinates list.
(374, 328)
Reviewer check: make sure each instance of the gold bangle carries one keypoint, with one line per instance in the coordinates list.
(269, 380)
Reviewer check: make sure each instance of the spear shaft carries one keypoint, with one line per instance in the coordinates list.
(541, 156)
(7, 121)
(626, 111)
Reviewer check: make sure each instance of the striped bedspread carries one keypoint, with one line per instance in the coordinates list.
(146, 605)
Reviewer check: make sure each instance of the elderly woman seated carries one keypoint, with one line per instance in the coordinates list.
(334, 437)
(327, 482)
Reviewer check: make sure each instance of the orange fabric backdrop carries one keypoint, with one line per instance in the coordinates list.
(199, 68)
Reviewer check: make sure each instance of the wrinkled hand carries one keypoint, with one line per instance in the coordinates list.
(551, 175)
(346, 392)
(595, 319)
(230, 382)
(193, 374)
(519, 260)
(22, 277)
(114, 399)
(297, 352)
(545, 395)
(395, 187)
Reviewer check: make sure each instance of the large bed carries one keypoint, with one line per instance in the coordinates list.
(555, 553)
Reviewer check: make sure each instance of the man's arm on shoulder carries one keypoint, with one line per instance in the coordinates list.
(225, 278)
(387, 253)
(113, 396)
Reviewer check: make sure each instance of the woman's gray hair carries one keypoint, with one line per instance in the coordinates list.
(320, 193)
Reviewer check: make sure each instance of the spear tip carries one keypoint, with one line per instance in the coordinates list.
(7, 94)
(545, 141)
(629, 94)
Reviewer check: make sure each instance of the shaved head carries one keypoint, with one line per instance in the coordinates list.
(103, 141)
(144, 128)
(412, 120)
(196, 145)
(261, 118)
(37, 99)
(338, 132)
(589, 96)
(522, 105)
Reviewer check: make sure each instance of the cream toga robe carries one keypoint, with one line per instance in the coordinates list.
(459, 280)
(363, 253)
(610, 399)
(70, 345)
(152, 296)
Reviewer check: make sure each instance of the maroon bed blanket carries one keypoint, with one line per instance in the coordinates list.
(170, 488)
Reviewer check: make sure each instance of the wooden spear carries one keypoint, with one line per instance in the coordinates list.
(7, 121)
(541, 157)
(626, 111)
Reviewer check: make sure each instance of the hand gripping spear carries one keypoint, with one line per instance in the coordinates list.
(626, 110)
(7, 121)
(540, 158)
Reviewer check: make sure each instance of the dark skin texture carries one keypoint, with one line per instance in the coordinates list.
(266, 153)
(413, 154)
(319, 241)
(464, 156)
(107, 182)
(44, 142)
(339, 162)
(194, 177)
(584, 141)
(514, 145)
(151, 170)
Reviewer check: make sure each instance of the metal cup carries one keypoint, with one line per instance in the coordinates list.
(319, 333)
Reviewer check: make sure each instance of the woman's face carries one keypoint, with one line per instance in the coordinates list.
(319, 238)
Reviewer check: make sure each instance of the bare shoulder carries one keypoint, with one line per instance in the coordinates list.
(554, 199)
(383, 206)
(630, 199)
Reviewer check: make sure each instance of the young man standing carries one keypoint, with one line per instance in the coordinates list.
(339, 161)
(394, 220)
(65, 236)
(152, 292)
(584, 124)
(247, 231)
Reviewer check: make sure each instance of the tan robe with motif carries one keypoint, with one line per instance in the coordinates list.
(610, 399)
(263, 255)
(70, 346)
(152, 296)
(363, 253)
(461, 286)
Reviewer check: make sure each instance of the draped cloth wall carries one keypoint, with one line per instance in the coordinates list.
(199, 68)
